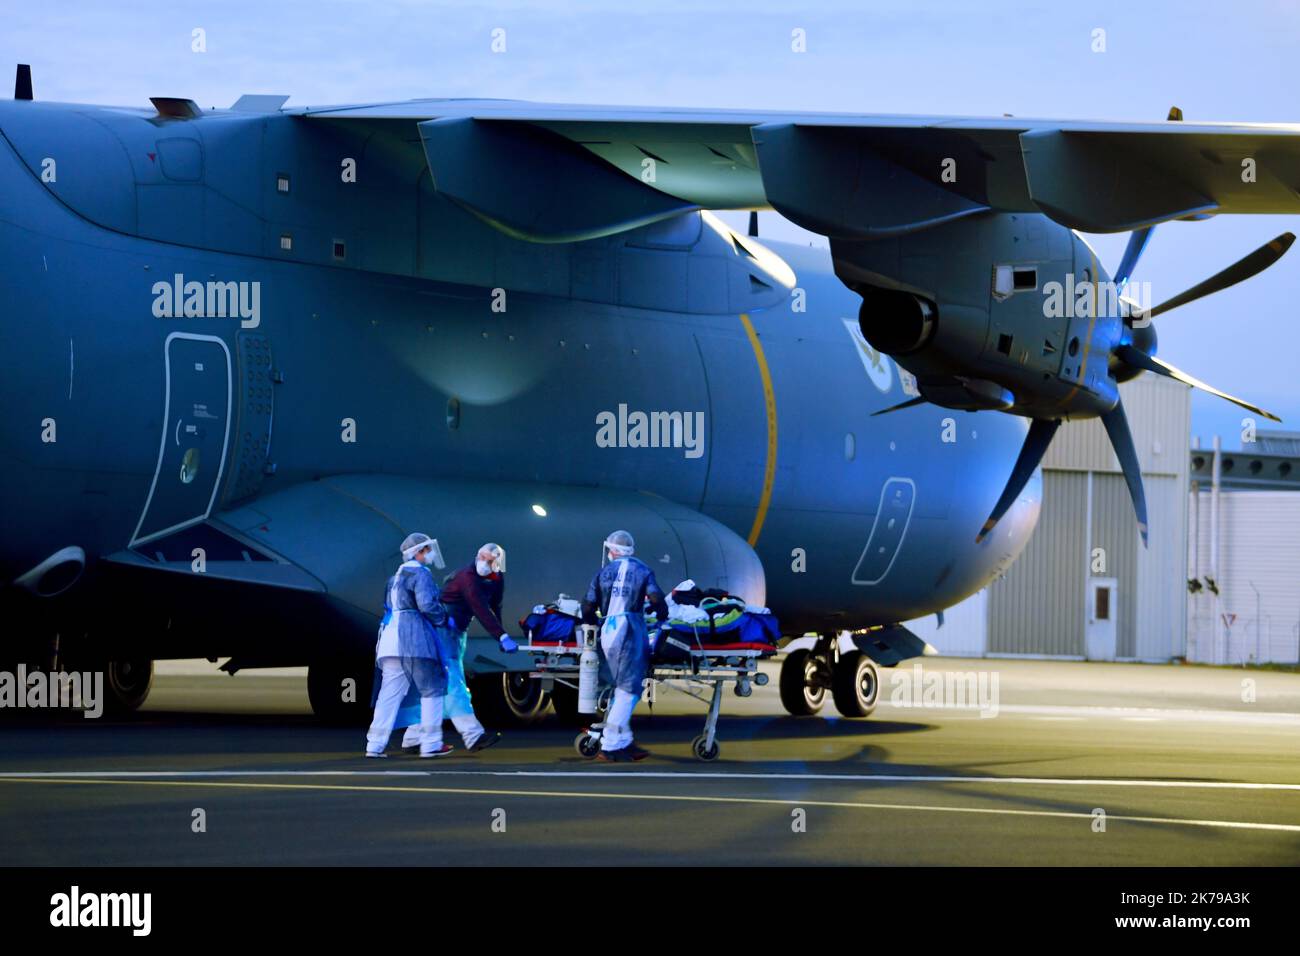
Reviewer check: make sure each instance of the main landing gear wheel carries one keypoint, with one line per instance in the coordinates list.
(127, 684)
(511, 697)
(801, 693)
(586, 745)
(703, 750)
(855, 685)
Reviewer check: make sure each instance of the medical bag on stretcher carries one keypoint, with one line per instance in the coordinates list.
(549, 625)
(715, 625)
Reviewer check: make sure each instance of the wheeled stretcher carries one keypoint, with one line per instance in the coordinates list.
(698, 669)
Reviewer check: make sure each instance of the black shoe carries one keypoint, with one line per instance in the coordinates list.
(615, 756)
(489, 738)
(635, 752)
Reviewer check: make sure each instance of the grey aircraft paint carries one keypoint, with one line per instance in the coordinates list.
(464, 417)
(248, 350)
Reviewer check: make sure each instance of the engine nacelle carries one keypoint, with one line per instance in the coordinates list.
(1007, 311)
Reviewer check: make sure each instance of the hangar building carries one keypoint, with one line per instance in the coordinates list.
(1085, 588)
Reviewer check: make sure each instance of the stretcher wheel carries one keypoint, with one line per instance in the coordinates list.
(702, 750)
(586, 745)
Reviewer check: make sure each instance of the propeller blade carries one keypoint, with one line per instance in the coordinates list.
(1132, 253)
(1137, 357)
(1040, 435)
(893, 408)
(1121, 439)
(1239, 271)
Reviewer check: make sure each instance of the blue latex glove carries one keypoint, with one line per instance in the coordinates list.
(508, 644)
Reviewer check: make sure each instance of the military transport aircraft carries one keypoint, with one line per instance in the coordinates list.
(247, 350)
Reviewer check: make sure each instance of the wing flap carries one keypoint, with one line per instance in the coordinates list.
(1093, 175)
(537, 185)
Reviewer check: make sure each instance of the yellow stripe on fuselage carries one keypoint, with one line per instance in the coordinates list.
(769, 401)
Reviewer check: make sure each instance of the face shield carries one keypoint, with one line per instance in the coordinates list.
(617, 545)
(417, 542)
(413, 543)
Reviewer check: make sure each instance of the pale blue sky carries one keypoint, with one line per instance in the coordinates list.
(1217, 61)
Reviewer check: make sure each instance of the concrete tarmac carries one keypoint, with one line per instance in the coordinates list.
(1081, 765)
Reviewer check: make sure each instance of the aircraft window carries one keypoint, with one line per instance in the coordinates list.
(340, 249)
(1025, 280)
(286, 242)
(282, 182)
(1004, 344)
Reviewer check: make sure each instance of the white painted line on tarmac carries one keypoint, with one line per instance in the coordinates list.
(673, 798)
(1128, 713)
(636, 773)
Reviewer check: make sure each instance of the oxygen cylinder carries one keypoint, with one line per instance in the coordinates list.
(588, 672)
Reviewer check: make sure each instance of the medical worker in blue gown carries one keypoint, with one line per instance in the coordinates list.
(408, 651)
(620, 591)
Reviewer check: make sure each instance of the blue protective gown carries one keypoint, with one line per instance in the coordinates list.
(624, 640)
(413, 615)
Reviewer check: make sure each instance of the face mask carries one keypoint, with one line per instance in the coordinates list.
(483, 568)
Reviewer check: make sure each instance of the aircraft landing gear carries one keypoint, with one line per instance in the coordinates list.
(855, 685)
(126, 684)
(807, 674)
(513, 698)
(127, 680)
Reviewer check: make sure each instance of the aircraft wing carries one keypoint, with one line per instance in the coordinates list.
(557, 172)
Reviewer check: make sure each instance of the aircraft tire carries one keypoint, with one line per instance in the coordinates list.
(799, 695)
(855, 685)
(510, 698)
(126, 685)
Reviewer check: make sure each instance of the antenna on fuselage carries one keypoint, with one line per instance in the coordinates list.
(23, 82)
(753, 223)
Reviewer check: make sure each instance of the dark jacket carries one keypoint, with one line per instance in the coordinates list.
(467, 595)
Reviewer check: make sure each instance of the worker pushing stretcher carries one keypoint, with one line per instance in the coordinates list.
(701, 642)
(620, 591)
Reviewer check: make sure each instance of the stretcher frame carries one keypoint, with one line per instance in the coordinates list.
(702, 675)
